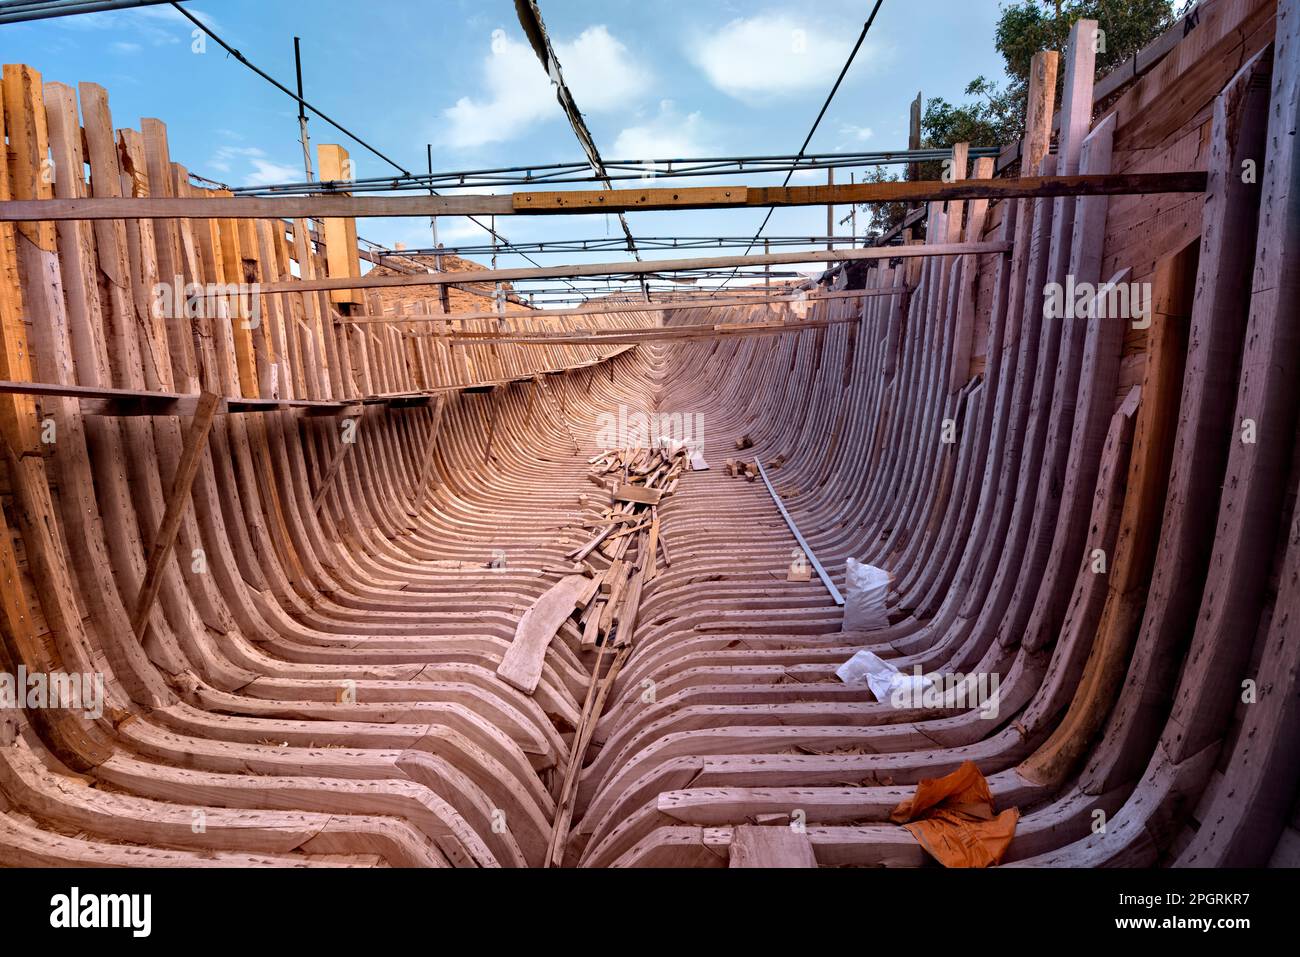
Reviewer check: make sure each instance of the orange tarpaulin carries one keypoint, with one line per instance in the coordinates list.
(952, 818)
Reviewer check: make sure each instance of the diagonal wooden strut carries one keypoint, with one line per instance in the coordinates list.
(196, 438)
(336, 463)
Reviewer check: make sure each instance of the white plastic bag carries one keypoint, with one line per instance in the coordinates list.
(864, 601)
(882, 677)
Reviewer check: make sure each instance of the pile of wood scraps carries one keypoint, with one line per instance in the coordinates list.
(626, 522)
(749, 470)
(622, 557)
(602, 601)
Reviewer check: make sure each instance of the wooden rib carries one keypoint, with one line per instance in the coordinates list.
(326, 691)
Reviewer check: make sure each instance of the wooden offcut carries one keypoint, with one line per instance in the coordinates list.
(522, 665)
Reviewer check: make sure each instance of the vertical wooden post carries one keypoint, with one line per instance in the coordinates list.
(914, 136)
(830, 211)
(24, 126)
(341, 259)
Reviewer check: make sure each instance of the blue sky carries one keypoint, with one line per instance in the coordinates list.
(668, 78)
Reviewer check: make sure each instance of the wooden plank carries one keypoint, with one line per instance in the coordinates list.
(341, 258)
(698, 197)
(625, 615)
(521, 667)
(651, 560)
(634, 268)
(1131, 566)
(196, 439)
(336, 463)
(777, 846)
(638, 494)
(618, 306)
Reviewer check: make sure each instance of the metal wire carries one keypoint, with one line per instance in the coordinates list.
(866, 28)
(22, 11)
(647, 170)
(613, 244)
(306, 105)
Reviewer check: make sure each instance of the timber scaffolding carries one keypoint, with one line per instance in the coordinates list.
(301, 550)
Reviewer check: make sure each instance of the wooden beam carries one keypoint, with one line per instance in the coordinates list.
(611, 306)
(803, 543)
(196, 437)
(1130, 570)
(17, 413)
(570, 202)
(426, 466)
(341, 257)
(635, 268)
(336, 463)
(633, 336)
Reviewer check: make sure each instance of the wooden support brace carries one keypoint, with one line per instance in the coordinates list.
(196, 438)
(426, 467)
(336, 463)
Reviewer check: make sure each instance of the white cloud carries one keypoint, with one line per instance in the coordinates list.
(257, 170)
(598, 68)
(667, 136)
(600, 71)
(126, 48)
(266, 173)
(772, 54)
(457, 229)
(859, 133)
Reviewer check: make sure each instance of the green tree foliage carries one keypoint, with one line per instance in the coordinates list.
(996, 116)
(992, 114)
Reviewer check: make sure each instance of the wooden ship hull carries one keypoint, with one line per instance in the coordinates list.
(298, 550)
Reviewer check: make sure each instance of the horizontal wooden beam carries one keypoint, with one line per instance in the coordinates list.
(631, 268)
(612, 307)
(131, 402)
(693, 331)
(589, 201)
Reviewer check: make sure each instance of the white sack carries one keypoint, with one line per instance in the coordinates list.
(864, 600)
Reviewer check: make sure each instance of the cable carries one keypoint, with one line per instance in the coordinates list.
(866, 27)
(284, 89)
(22, 12)
(530, 19)
(304, 104)
(548, 174)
